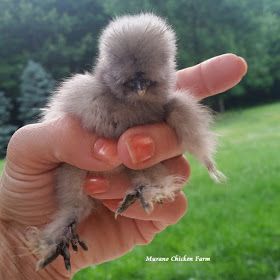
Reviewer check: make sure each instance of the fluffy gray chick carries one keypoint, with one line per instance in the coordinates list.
(133, 83)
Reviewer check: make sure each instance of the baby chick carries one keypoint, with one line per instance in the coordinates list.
(133, 83)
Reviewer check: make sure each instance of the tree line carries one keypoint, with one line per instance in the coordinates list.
(42, 42)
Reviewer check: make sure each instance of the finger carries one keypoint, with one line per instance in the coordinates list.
(144, 146)
(212, 76)
(43, 146)
(117, 185)
(166, 214)
(148, 229)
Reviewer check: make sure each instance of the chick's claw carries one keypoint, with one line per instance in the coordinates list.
(147, 206)
(70, 236)
(83, 245)
(64, 252)
(130, 198)
(48, 259)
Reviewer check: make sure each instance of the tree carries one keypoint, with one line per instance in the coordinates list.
(6, 130)
(62, 35)
(36, 85)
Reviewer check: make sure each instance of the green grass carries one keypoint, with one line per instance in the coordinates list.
(237, 225)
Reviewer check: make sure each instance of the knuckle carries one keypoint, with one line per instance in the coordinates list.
(179, 166)
(183, 167)
(19, 139)
(180, 209)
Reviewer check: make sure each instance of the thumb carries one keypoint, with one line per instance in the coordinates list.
(43, 146)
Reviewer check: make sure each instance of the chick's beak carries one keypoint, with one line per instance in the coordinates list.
(140, 88)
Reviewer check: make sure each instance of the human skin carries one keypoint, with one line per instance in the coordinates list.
(35, 151)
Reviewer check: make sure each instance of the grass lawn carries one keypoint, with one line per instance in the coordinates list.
(237, 225)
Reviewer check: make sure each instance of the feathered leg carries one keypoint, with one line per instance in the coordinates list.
(74, 206)
(191, 122)
(149, 186)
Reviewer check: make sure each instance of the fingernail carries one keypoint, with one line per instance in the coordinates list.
(105, 150)
(96, 185)
(245, 65)
(140, 148)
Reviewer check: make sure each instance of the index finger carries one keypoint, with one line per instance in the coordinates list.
(41, 147)
(212, 76)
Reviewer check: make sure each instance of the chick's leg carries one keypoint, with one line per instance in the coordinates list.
(149, 186)
(192, 124)
(131, 197)
(73, 206)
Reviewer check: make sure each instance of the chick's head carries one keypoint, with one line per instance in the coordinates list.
(137, 57)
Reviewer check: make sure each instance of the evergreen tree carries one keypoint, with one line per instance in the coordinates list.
(36, 85)
(6, 130)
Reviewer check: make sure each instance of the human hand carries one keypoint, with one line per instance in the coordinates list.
(34, 152)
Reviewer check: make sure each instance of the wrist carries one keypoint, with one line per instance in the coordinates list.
(16, 260)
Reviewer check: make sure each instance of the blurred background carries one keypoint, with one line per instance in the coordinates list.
(237, 225)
